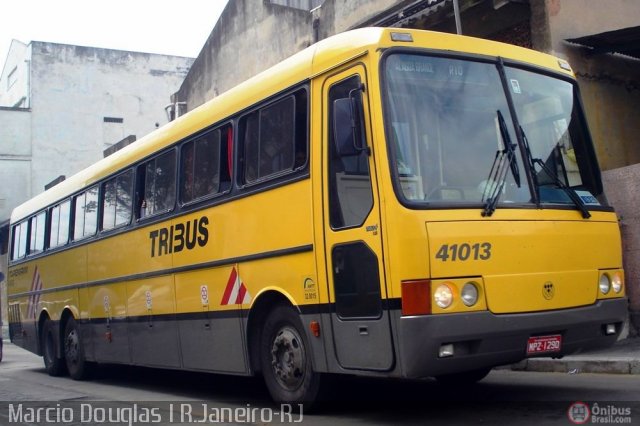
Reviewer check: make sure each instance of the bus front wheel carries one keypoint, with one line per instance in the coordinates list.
(53, 364)
(79, 368)
(285, 358)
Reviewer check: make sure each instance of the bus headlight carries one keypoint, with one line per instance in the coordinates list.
(604, 284)
(469, 294)
(443, 296)
(616, 282)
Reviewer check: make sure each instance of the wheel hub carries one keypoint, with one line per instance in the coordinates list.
(288, 358)
(71, 346)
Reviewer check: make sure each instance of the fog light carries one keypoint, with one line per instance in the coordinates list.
(604, 284)
(610, 329)
(469, 294)
(446, 351)
(616, 282)
(443, 296)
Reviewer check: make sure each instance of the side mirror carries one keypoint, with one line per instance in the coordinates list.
(348, 125)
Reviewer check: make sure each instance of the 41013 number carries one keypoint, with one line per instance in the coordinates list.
(462, 252)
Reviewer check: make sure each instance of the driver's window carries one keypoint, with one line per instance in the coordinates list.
(350, 193)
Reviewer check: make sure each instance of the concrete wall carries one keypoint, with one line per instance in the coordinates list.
(14, 80)
(621, 186)
(249, 37)
(15, 159)
(82, 100)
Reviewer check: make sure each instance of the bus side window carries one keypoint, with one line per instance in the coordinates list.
(37, 233)
(156, 185)
(204, 166)
(19, 246)
(86, 214)
(59, 224)
(116, 201)
(274, 138)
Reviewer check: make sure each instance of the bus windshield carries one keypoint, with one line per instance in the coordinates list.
(449, 127)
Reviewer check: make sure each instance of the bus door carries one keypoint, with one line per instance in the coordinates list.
(353, 244)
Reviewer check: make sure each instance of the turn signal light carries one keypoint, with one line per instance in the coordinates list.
(416, 297)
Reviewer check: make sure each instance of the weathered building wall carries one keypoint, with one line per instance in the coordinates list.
(621, 186)
(82, 100)
(249, 37)
(336, 16)
(14, 80)
(15, 159)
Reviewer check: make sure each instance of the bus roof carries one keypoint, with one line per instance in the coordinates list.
(314, 60)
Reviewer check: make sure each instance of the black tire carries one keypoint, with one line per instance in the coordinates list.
(285, 359)
(77, 365)
(55, 366)
(464, 378)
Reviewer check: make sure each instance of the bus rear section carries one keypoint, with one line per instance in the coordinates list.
(501, 242)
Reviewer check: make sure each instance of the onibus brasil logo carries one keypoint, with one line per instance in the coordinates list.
(581, 413)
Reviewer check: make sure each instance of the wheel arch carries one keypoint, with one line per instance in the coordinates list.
(262, 306)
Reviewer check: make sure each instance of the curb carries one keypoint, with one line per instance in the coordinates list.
(577, 366)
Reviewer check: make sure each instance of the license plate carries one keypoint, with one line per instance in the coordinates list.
(544, 344)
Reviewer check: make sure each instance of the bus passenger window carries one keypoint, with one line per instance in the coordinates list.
(37, 233)
(59, 224)
(116, 202)
(156, 192)
(274, 138)
(201, 166)
(86, 214)
(19, 246)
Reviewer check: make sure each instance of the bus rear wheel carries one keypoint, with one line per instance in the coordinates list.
(79, 368)
(285, 358)
(53, 364)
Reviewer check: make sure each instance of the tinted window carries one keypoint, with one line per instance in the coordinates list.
(117, 201)
(204, 168)
(274, 138)
(157, 178)
(356, 281)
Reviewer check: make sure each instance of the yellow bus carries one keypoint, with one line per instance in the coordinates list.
(387, 202)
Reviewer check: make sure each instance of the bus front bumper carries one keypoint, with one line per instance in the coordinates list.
(483, 339)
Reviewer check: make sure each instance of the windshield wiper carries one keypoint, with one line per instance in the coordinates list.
(570, 192)
(504, 160)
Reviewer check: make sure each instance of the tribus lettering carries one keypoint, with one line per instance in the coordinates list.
(176, 237)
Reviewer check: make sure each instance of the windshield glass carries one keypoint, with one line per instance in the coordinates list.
(548, 117)
(448, 124)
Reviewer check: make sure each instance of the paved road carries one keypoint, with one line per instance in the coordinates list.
(504, 397)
